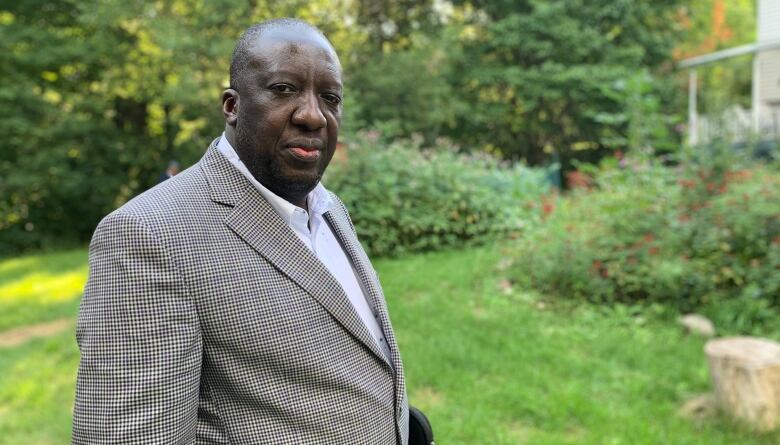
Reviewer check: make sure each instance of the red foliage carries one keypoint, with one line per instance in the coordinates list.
(738, 175)
(578, 180)
(687, 183)
(548, 205)
(600, 268)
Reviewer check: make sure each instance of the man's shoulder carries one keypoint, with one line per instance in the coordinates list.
(182, 197)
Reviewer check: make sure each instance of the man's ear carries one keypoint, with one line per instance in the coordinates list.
(230, 106)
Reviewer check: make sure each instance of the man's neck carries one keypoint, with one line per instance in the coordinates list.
(304, 204)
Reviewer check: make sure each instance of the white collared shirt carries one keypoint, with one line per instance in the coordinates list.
(316, 234)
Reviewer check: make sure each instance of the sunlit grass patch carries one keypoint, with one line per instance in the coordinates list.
(40, 288)
(13, 268)
(44, 287)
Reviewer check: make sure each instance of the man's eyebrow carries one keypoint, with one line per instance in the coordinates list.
(274, 74)
(333, 84)
(282, 72)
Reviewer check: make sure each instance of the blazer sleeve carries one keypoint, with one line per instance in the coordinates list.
(139, 336)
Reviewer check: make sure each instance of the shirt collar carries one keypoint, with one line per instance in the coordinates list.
(318, 200)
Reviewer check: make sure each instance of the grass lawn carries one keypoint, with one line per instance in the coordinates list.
(41, 288)
(487, 366)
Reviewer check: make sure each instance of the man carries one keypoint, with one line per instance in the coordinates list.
(233, 303)
(171, 171)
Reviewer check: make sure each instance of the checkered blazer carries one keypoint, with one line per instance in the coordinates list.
(205, 320)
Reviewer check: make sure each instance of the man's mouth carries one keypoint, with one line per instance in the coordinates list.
(309, 151)
(306, 153)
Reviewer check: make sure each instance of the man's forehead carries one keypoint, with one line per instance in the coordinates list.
(291, 40)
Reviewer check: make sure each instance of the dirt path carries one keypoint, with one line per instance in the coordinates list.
(17, 336)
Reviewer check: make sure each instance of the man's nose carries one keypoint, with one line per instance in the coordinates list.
(308, 114)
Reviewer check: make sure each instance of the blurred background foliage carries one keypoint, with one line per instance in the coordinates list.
(435, 198)
(97, 96)
(704, 235)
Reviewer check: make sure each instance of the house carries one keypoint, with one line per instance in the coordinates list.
(737, 124)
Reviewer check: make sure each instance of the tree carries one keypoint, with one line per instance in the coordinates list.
(714, 25)
(97, 96)
(551, 76)
(533, 80)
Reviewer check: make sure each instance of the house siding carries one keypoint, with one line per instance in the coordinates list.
(768, 20)
(769, 76)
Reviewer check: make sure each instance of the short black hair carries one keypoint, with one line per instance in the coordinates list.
(239, 62)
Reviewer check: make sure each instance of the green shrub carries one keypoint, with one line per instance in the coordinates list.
(406, 199)
(693, 237)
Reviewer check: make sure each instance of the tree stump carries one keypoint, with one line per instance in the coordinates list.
(746, 374)
(698, 324)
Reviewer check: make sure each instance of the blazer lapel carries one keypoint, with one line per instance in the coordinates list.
(257, 223)
(360, 260)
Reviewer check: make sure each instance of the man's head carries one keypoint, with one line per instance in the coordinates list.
(173, 168)
(283, 108)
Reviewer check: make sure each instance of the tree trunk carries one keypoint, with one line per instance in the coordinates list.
(746, 374)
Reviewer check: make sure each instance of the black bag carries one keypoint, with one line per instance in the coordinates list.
(420, 431)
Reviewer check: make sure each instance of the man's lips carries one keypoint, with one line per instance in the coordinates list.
(305, 150)
(305, 153)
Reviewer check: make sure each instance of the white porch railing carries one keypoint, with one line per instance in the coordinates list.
(736, 124)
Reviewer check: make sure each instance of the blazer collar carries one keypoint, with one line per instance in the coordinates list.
(256, 222)
(339, 221)
(226, 184)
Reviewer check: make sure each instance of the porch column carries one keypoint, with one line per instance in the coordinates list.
(755, 99)
(693, 119)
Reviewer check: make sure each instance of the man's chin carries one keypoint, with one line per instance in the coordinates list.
(293, 187)
(298, 188)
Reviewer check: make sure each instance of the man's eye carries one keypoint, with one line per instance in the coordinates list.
(331, 98)
(282, 88)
